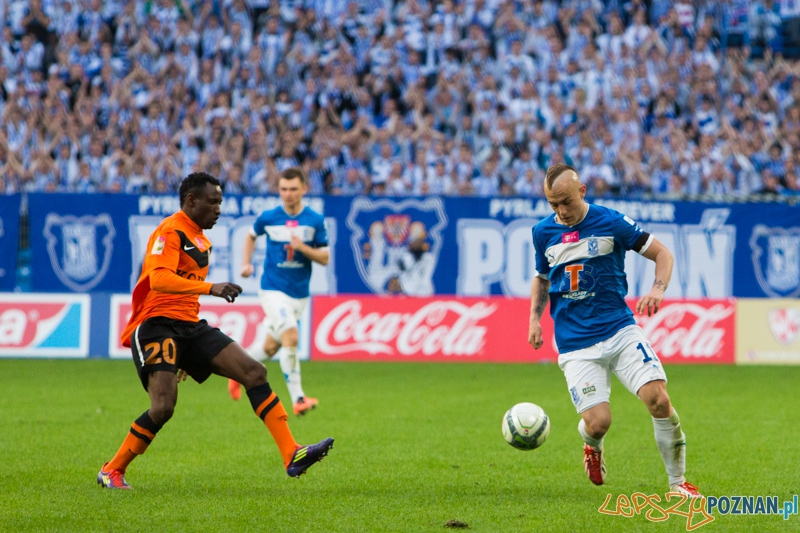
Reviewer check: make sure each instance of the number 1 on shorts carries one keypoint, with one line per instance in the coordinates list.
(647, 356)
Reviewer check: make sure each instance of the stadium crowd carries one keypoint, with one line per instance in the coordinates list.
(402, 97)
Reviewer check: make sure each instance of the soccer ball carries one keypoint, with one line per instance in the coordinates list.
(526, 426)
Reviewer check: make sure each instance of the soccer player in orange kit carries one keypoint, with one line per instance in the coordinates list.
(168, 341)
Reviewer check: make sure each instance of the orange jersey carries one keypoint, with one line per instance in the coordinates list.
(173, 274)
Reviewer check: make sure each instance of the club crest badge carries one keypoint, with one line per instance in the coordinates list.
(594, 247)
(80, 248)
(776, 260)
(394, 242)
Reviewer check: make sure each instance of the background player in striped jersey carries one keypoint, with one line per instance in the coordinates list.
(296, 236)
(167, 337)
(580, 259)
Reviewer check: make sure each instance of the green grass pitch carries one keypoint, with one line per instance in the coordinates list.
(418, 448)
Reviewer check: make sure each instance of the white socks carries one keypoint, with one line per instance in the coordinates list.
(594, 443)
(672, 444)
(290, 367)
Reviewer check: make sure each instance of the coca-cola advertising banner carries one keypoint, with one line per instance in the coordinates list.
(692, 331)
(495, 329)
(243, 321)
(420, 247)
(373, 328)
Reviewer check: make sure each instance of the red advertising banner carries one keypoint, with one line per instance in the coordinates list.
(692, 331)
(373, 328)
(44, 325)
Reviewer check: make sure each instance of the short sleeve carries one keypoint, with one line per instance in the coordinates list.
(259, 226)
(626, 231)
(542, 265)
(320, 233)
(164, 251)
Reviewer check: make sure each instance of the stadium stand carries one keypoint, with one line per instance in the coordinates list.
(676, 99)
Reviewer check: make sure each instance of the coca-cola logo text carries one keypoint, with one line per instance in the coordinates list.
(446, 327)
(688, 329)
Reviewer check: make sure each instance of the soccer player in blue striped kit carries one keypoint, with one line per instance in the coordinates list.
(296, 237)
(580, 260)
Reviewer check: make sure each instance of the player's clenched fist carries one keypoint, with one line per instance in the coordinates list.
(247, 270)
(535, 335)
(228, 291)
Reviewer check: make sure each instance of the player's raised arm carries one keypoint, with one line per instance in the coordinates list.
(660, 254)
(248, 247)
(540, 288)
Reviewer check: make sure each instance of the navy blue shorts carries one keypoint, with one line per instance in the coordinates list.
(161, 343)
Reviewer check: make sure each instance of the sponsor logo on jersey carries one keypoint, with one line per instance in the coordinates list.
(158, 245)
(577, 282)
(80, 248)
(572, 236)
(573, 391)
(594, 247)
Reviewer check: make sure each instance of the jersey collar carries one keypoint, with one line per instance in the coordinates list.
(189, 222)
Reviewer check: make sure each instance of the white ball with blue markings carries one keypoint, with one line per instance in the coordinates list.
(526, 426)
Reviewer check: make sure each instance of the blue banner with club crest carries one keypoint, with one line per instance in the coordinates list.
(80, 242)
(475, 247)
(9, 240)
(420, 246)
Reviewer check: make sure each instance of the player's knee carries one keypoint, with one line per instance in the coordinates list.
(598, 426)
(254, 375)
(656, 399)
(271, 349)
(161, 412)
(289, 337)
(660, 405)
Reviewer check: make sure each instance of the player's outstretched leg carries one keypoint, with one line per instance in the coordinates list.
(306, 456)
(297, 459)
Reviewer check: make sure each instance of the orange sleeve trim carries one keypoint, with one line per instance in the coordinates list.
(164, 280)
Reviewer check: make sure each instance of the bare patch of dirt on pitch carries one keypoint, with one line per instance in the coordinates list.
(456, 524)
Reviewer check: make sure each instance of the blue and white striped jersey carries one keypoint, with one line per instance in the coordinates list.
(585, 265)
(285, 269)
